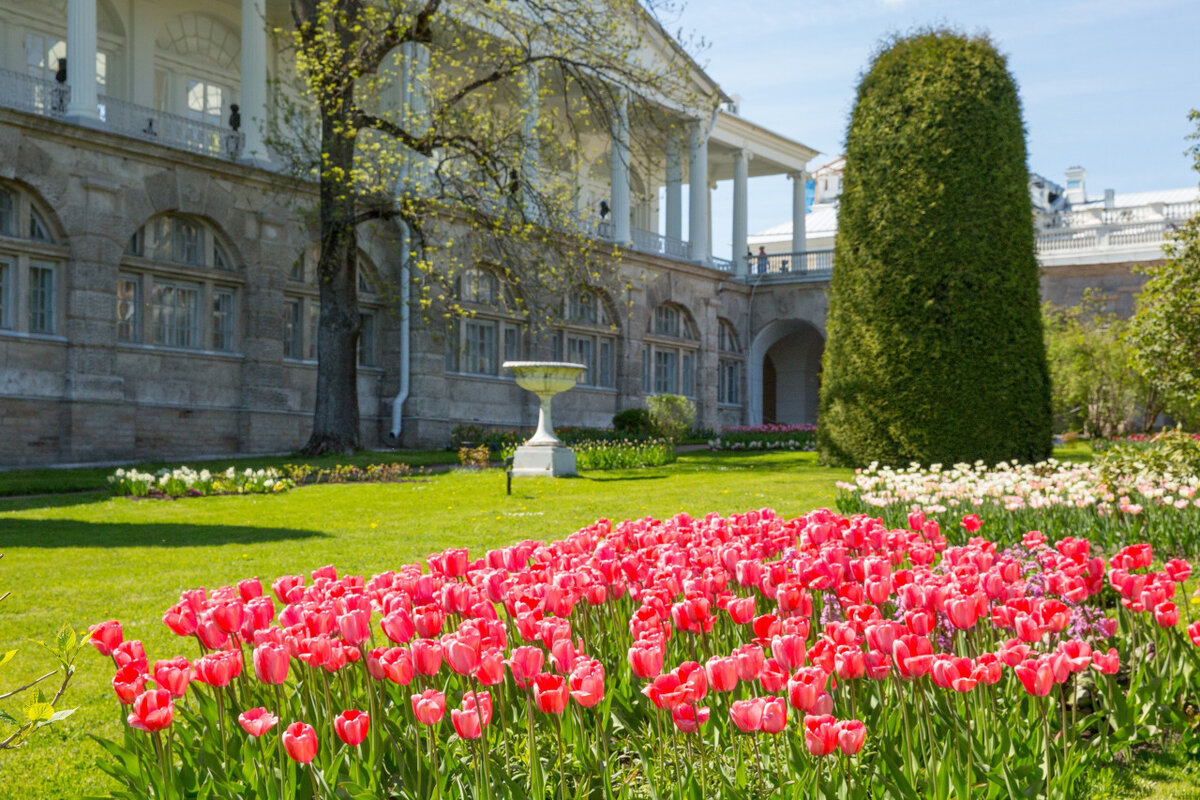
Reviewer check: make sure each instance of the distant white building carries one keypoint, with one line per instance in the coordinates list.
(1082, 242)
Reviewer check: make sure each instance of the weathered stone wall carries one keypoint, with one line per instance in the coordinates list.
(83, 396)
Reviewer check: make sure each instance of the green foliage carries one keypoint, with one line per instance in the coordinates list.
(1171, 452)
(37, 710)
(633, 420)
(1093, 387)
(1165, 329)
(935, 349)
(672, 415)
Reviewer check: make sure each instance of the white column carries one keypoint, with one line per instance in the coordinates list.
(741, 174)
(531, 155)
(619, 156)
(81, 60)
(140, 54)
(674, 190)
(698, 229)
(799, 235)
(254, 78)
(414, 110)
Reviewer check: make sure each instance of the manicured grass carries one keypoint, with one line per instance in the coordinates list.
(86, 558)
(51, 481)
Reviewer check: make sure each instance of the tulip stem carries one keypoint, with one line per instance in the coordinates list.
(279, 739)
(221, 724)
(162, 762)
(312, 774)
(757, 759)
(1046, 733)
(562, 771)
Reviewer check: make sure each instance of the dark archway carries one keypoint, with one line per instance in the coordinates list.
(793, 364)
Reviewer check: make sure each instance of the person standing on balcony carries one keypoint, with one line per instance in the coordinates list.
(762, 260)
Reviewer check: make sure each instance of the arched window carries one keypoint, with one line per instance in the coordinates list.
(670, 353)
(588, 337)
(729, 364)
(196, 70)
(492, 332)
(30, 265)
(178, 287)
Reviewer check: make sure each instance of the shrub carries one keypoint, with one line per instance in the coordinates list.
(1171, 452)
(766, 437)
(633, 420)
(935, 348)
(673, 415)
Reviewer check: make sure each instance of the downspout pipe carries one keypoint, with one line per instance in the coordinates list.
(405, 355)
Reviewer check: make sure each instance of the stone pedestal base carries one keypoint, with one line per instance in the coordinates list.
(552, 461)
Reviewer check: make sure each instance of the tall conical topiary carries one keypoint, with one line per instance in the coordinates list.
(934, 350)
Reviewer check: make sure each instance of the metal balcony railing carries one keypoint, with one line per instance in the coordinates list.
(172, 130)
(810, 263)
(647, 241)
(33, 95)
(50, 99)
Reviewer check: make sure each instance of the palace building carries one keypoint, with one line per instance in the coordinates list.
(157, 289)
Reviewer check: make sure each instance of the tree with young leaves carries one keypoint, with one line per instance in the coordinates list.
(469, 124)
(37, 708)
(1165, 329)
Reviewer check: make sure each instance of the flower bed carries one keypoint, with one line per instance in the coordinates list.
(766, 437)
(715, 657)
(187, 482)
(1051, 495)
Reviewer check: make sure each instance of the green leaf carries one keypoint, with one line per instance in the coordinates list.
(36, 711)
(7, 718)
(4, 659)
(58, 716)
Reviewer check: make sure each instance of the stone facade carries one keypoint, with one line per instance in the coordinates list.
(81, 394)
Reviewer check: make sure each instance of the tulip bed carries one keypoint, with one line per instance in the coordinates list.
(187, 482)
(747, 656)
(1162, 509)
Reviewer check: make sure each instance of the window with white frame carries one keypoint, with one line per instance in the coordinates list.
(729, 365)
(178, 288)
(670, 353)
(588, 337)
(30, 262)
(366, 340)
(491, 331)
(301, 312)
(293, 327)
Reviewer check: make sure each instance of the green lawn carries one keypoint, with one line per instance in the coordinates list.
(83, 479)
(86, 558)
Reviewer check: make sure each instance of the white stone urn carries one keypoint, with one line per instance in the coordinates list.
(544, 453)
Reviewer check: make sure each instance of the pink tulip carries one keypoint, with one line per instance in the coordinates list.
(128, 683)
(646, 659)
(173, 674)
(587, 682)
(550, 693)
(271, 663)
(820, 734)
(257, 721)
(1166, 614)
(398, 626)
(852, 733)
(775, 714)
(429, 706)
(747, 714)
(749, 658)
(1036, 676)
(106, 636)
(525, 663)
(722, 673)
(300, 741)
(689, 717)
(152, 711)
(351, 726)
(427, 656)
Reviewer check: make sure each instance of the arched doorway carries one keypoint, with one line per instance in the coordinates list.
(785, 373)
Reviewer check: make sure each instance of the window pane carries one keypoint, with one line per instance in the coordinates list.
(647, 386)
(480, 347)
(6, 278)
(8, 213)
(291, 329)
(688, 382)
(606, 363)
(453, 346)
(222, 321)
(512, 343)
(129, 309)
(366, 341)
(666, 321)
(581, 351)
(666, 371)
(41, 300)
(176, 314)
(314, 325)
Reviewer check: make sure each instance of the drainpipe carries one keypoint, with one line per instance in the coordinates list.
(405, 324)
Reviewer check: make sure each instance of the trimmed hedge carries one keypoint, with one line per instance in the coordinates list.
(935, 350)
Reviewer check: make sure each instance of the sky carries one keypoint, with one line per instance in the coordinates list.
(1105, 84)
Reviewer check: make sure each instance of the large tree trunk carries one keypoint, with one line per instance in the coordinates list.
(335, 419)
